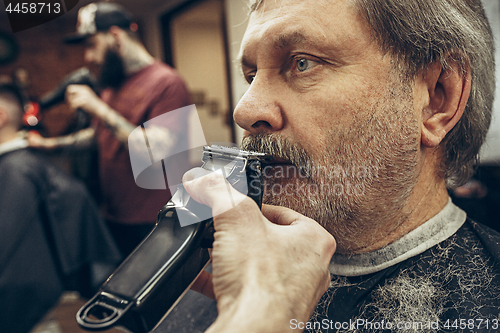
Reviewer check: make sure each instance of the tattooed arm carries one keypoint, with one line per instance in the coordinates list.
(79, 140)
(81, 96)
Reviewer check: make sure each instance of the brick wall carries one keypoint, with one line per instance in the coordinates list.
(47, 61)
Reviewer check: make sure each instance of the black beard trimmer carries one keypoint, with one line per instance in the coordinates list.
(143, 290)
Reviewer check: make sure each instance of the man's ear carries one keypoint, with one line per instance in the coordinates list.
(4, 117)
(118, 34)
(449, 91)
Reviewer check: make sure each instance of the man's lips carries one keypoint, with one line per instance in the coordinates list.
(280, 161)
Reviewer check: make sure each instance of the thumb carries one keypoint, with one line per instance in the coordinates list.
(212, 189)
(282, 215)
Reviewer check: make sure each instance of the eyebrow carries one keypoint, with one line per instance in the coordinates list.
(290, 39)
(280, 42)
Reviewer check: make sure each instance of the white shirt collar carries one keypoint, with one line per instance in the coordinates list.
(429, 234)
(15, 144)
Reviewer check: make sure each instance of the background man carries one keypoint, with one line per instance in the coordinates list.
(383, 105)
(52, 233)
(138, 89)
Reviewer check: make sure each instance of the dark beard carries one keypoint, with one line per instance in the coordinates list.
(112, 71)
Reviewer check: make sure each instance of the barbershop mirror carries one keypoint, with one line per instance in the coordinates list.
(195, 44)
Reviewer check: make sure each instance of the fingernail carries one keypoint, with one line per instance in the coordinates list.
(187, 177)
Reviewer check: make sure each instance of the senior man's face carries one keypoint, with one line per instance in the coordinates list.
(324, 98)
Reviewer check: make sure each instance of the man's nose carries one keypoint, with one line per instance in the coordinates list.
(259, 109)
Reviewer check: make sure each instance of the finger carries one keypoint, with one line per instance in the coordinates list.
(71, 89)
(203, 285)
(193, 174)
(77, 90)
(327, 278)
(70, 92)
(282, 215)
(212, 189)
(34, 139)
(76, 87)
(303, 225)
(32, 135)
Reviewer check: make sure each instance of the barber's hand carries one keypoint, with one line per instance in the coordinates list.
(268, 267)
(35, 140)
(80, 96)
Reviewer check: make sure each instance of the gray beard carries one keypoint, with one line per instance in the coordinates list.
(361, 180)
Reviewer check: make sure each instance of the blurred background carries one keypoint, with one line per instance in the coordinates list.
(199, 38)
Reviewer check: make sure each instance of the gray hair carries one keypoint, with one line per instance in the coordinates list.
(418, 33)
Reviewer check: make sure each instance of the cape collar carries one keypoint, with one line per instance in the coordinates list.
(15, 144)
(429, 234)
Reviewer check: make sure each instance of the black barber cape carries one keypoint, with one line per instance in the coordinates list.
(50, 230)
(452, 285)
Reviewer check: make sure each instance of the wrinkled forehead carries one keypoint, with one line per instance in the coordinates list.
(267, 4)
(294, 9)
(282, 7)
(327, 22)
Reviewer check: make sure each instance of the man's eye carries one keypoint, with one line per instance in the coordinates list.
(302, 64)
(250, 78)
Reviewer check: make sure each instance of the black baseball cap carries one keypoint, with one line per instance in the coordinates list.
(99, 17)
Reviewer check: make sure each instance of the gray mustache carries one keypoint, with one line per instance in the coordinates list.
(281, 149)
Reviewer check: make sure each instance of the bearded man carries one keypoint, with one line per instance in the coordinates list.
(380, 106)
(138, 89)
